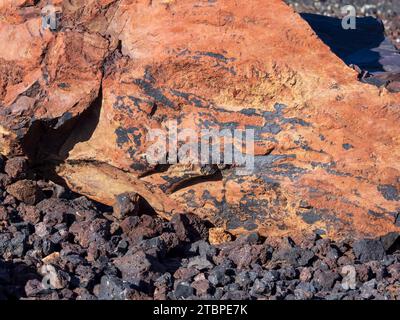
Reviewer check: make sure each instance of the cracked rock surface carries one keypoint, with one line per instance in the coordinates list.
(80, 101)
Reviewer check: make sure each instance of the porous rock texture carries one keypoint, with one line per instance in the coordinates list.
(81, 100)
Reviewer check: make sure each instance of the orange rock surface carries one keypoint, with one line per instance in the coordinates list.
(83, 99)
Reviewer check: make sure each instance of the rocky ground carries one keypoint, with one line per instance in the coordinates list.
(57, 245)
(386, 10)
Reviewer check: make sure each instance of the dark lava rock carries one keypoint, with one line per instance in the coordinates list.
(258, 287)
(202, 248)
(368, 249)
(90, 231)
(18, 244)
(294, 256)
(56, 211)
(133, 265)
(244, 256)
(364, 272)
(34, 288)
(189, 227)
(200, 263)
(16, 168)
(42, 230)
(236, 295)
(54, 278)
(183, 291)
(3, 213)
(137, 228)
(186, 274)
(325, 279)
(202, 287)
(26, 191)
(304, 291)
(71, 248)
(113, 288)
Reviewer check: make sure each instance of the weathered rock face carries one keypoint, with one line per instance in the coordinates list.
(87, 95)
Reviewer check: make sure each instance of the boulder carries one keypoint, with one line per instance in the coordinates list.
(82, 100)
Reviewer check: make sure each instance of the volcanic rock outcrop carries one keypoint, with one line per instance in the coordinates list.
(82, 99)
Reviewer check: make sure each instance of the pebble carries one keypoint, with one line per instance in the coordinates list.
(183, 291)
(349, 281)
(368, 249)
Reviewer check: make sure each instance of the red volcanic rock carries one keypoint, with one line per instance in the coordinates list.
(87, 96)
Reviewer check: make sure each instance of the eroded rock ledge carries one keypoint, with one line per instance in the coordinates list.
(82, 100)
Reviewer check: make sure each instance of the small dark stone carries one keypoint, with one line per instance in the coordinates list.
(54, 278)
(186, 274)
(389, 240)
(347, 146)
(29, 213)
(134, 264)
(218, 276)
(368, 289)
(48, 247)
(42, 230)
(5, 180)
(243, 279)
(122, 246)
(367, 250)
(18, 244)
(325, 279)
(258, 287)
(200, 263)
(144, 227)
(236, 295)
(202, 287)
(26, 191)
(288, 273)
(56, 211)
(189, 227)
(3, 213)
(112, 288)
(364, 272)
(271, 276)
(86, 276)
(34, 288)
(389, 192)
(394, 271)
(244, 255)
(294, 256)
(90, 231)
(16, 168)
